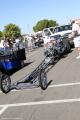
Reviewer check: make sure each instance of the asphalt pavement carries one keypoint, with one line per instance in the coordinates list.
(60, 101)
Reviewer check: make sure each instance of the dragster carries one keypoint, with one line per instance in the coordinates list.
(38, 77)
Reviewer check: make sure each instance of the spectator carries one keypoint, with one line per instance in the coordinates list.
(46, 41)
(30, 43)
(19, 43)
(4, 44)
(76, 35)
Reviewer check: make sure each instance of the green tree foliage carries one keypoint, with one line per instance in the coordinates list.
(52, 23)
(12, 31)
(1, 35)
(44, 24)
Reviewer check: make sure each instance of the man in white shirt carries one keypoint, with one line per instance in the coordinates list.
(4, 44)
(76, 35)
(46, 41)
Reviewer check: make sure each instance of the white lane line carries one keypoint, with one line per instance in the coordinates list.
(54, 86)
(3, 109)
(39, 103)
(65, 85)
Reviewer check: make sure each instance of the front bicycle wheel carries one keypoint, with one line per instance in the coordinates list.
(42, 77)
(5, 83)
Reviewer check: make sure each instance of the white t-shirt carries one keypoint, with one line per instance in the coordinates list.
(29, 41)
(17, 40)
(3, 44)
(46, 39)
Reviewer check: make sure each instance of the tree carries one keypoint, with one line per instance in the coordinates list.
(44, 24)
(52, 23)
(12, 31)
(1, 35)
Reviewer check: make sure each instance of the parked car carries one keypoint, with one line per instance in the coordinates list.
(38, 39)
(63, 31)
(39, 42)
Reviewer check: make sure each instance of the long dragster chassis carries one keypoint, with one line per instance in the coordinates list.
(37, 78)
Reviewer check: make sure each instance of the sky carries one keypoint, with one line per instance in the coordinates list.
(26, 13)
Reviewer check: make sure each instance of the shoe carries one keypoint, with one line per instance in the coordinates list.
(78, 57)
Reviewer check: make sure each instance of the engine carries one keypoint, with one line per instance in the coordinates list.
(55, 47)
